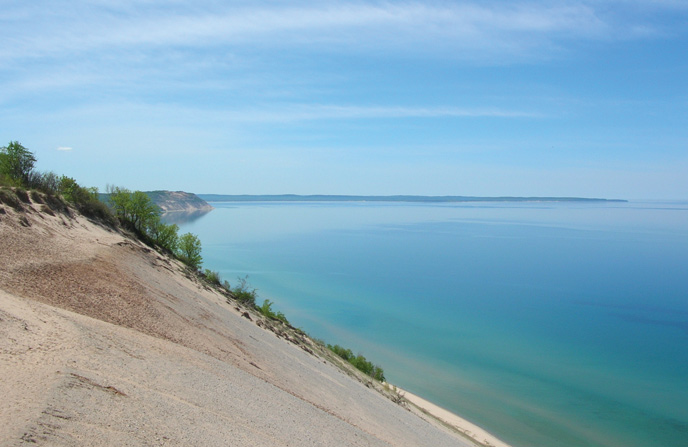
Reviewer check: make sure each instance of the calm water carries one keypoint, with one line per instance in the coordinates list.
(548, 324)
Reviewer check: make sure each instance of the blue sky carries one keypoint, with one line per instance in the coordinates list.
(549, 98)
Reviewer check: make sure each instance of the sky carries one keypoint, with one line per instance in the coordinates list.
(584, 98)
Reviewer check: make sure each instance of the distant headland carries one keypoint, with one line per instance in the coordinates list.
(179, 202)
(393, 198)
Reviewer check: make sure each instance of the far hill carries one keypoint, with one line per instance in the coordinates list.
(179, 201)
(396, 198)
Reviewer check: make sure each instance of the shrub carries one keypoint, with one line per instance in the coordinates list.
(359, 362)
(48, 182)
(244, 293)
(189, 250)
(266, 310)
(212, 277)
(96, 209)
(85, 200)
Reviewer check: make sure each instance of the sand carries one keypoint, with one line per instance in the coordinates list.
(104, 341)
(465, 427)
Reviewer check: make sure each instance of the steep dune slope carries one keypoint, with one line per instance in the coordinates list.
(104, 341)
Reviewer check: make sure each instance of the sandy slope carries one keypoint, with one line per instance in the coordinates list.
(106, 342)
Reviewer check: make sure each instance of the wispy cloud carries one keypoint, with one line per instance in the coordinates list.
(64, 149)
(466, 29)
(301, 112)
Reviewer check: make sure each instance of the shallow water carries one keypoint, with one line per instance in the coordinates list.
(549, 324)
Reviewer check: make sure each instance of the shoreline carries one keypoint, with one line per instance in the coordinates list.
(466, 428)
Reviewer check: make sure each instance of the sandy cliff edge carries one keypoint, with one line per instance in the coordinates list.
(104, 341)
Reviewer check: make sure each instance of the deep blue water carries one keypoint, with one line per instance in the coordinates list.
(549, 324)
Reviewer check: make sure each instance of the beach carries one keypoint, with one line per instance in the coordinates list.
(465, 427)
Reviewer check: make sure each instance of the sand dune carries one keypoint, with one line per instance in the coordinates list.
(104, 341)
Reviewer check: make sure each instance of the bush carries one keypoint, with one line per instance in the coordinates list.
(243, 293)
(359, 362)
(212, 277)
(47, 182)
(266, 310)
(189, 250)
(95, 209)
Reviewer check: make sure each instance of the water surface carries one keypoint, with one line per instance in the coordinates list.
(550, 324)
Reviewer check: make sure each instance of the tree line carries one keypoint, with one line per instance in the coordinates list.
(133, 210)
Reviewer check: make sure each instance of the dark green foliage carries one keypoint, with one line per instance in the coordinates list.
(360, 362)
(189, 250)
(16, 163)
(244, 293)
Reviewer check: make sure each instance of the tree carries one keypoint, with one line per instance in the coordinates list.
(16, 162)
(164, 235)
(189, 250)
(136, 207)
(120, 201)
(143, 211)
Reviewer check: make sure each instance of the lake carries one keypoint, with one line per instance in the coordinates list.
(549, 324)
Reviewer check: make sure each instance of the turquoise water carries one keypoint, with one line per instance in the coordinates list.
(548, 324)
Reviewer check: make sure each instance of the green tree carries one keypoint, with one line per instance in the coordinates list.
(166, 236)
(120, 202)
(136, 208)
(16, 163)
(68, 188)
(189, 250)
(143, 211)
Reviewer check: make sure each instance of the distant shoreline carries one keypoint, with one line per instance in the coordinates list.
(393, 198)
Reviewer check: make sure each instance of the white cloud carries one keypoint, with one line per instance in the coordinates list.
(471, 27)
(64, 148)
(310, 112)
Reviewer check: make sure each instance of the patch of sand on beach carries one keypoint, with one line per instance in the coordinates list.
(104, 341)
(465, 427)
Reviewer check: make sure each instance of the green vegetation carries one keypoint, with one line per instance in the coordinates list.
(360, 362)
(133, 210)
(136, 212)
(16, 163)
(212, 277)
(244, 293)
(189, 250)
(266, 310)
